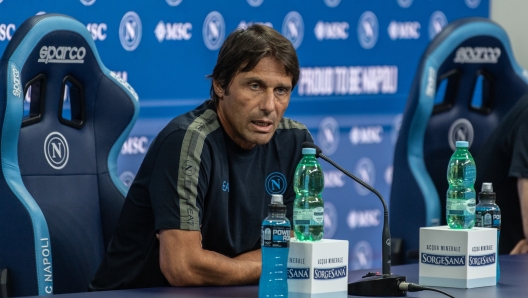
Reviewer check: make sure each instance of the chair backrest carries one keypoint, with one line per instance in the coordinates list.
(466, 82)
(64, 117)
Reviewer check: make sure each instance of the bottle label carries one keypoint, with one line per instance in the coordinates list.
(488, 218)
(455, 206)
(275, 236)
(470, 173)
(312, 217)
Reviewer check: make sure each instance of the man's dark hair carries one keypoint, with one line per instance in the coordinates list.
(244, 48)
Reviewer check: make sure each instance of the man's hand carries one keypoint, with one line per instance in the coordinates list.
(520, 248)
(184, 263)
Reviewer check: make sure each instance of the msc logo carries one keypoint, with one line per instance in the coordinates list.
(56, 150)
(472, 3)
(367, 30)
(6, 31)
(404, 30)
(17, 89)
(173, 2)
(437, 22)
(330, 220)
(404, 3)
(366, 135)
(362, 255)
(365, 171)
(255, 3)
(62, 54)
(213, 30)
(333, 179)
(275, 183)
(135, 145)
(127, 178)
(98, 31)
(174, 31)
(87, 2)
(363, 218)
(460, 130)
(334, 30)
(332, 3)
(328, 135)
(293, 28)
(477, 55)
(130, 31)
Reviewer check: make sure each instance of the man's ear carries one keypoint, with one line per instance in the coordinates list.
(218, 89)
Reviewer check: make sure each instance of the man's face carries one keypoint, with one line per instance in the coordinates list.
(255, 103)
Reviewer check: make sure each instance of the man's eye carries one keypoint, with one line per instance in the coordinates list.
(254, 86)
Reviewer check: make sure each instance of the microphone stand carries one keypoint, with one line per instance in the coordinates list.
(373, 284)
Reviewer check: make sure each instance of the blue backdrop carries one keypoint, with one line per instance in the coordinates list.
(358, 59)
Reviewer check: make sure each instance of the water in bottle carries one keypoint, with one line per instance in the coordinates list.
(308, 207)
(461, 196)
(488, 214)
(275, 241)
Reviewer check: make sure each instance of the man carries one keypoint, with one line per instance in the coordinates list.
(503, 160)
(192, 216)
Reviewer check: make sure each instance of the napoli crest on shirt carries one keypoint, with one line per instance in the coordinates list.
(275, 183)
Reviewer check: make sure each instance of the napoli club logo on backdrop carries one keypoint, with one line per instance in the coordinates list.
(130, 31)
(84, 2)
(293, 28)
(328, 135)
(255, 3)
(332, 3)
(437, 22)
(365, 171)
(368, 30)
(173, 2)
(213, 30)
(275, 183)
(362, 256)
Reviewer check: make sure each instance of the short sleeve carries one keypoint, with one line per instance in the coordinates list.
(177, 200)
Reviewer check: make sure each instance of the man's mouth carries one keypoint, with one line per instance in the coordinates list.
(262, 123)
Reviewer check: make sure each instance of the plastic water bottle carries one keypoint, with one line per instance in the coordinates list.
(275, 235)
(488, 214)
(308, 207)
(461, 196)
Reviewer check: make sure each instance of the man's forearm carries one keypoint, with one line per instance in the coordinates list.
(212, 268)
(184, 263)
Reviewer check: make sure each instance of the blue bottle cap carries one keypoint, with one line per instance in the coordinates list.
(462, 144)
(308, 151)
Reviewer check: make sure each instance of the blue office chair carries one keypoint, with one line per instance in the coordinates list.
(60, 194)
(466, 82)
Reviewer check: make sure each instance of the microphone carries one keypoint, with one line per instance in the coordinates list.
(372, 284)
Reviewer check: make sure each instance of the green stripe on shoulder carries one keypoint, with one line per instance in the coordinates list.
(287, 123)
(189, 167)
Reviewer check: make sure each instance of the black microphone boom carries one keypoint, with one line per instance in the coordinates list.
(372, 284)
